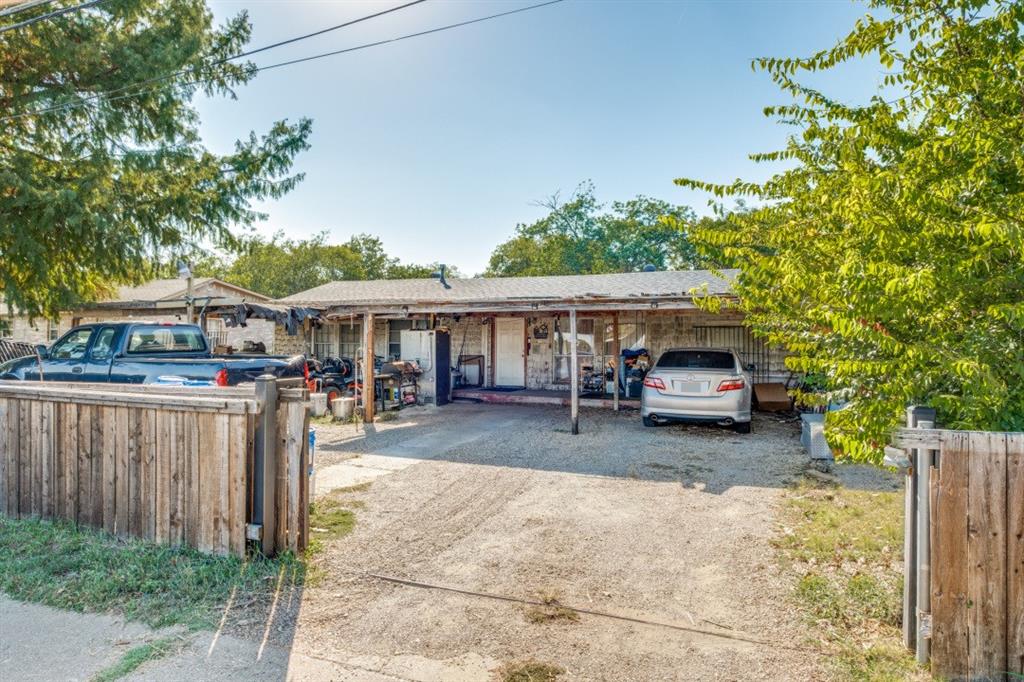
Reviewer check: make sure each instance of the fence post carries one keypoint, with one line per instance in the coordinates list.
(916, 574)
(264, 469)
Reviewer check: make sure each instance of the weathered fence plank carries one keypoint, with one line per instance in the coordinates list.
(1015, 553)
(238, 442)
(155, 463)
(986, 555)
(135, 445)
(221, 482)
(3, 457)
(122, 454)
(69, 447)
(281, 486)
(192, 496)
(109, 426)
(949, 578)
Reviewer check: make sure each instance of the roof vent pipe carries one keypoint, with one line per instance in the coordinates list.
(439, 275)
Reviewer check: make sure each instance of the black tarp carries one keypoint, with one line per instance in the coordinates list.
(289, 317)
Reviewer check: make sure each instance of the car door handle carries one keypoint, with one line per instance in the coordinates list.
(76, 370)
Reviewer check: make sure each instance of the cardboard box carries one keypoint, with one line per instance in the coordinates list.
(772, 398)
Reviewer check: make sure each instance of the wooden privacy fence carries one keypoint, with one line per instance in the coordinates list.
(964, 588)
(172, 465)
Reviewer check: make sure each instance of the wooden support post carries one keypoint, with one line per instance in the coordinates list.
(492, 345)
(265, 461)
(574, 375)
(368, 378)
(909, 556)
(924, 545)
(616, 352)
(920, 526)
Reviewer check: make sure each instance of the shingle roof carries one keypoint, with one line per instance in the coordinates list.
(661, 284)
(174, 289)
(159, 289)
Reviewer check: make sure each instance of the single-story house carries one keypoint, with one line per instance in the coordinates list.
(516, 331)
(159, 300)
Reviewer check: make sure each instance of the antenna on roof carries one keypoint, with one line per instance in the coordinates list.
(439, 275)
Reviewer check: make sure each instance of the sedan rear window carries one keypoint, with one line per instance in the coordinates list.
(696, 359)
(163, 339)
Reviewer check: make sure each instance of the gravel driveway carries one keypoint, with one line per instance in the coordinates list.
(664, 531)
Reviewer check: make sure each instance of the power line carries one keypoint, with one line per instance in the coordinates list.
(317, 33)
(50, 15)
(105, 96)
(405, 37)
(22, 6)
(184, 72)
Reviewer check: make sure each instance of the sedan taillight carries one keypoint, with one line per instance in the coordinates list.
(731, 385)
(654, 382)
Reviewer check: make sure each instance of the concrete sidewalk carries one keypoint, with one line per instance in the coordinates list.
(43, 643)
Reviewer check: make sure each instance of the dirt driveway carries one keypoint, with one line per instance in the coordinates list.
(669, 526)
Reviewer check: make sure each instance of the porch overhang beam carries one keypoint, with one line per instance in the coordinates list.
(400, 311)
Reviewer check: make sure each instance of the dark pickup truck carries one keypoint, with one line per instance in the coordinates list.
(145, 353)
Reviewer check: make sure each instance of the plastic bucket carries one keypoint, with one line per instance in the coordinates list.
(319, 404)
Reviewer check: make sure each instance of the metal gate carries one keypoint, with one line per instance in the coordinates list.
(752, 351)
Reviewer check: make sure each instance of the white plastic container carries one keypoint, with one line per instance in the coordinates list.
(318, 404)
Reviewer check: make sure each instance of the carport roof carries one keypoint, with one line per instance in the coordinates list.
(482, 291)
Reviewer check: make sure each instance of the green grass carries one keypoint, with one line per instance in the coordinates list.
(529, 671)
(136, 657)
(80, 569)
(332, 517)
(846, 544)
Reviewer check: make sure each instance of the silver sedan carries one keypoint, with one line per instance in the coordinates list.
(700, 385)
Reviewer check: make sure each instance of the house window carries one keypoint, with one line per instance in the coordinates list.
(350, 339)
(216, 332)
(632, 333)
(338, 339)
(395, 329)
(5, 328)
(52, 331)
(324, 343)
(589, 341)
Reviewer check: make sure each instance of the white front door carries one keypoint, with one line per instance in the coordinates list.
(509, 351)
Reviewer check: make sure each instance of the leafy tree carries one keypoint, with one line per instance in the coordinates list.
(280, 267)
(101, 176)
(889, 257)
(577, 238)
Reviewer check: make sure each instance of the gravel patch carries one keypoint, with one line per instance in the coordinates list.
(670, 525)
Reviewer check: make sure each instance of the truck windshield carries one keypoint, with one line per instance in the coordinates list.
(696, 359)
(148, 339)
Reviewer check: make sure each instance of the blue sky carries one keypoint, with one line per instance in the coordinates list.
(440, 145)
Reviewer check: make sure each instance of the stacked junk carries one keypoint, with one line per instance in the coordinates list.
(423, 376)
